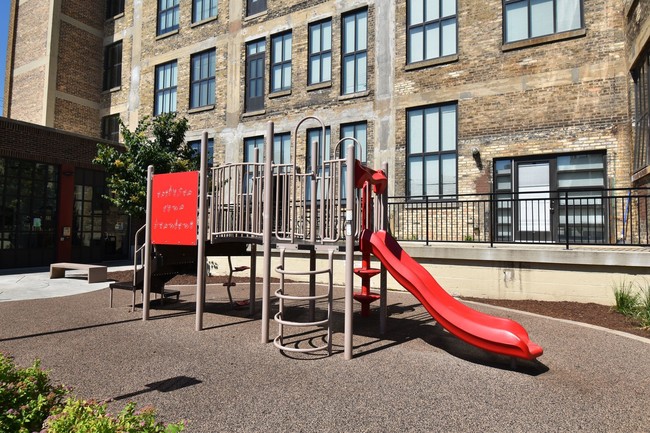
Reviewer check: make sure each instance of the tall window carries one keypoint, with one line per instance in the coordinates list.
(431, 151)
(316, 136)
(281, 62)
(431, 29)
(525, 19)
(358, 131)
(195, 145)
(168, 15)
(255, 7)
(111, 127)
(320, 52)
(166, 80)
(114, 7)
(203, 9)
(250, 144)
(355, 52)
(202, 81)
(255, 52)
(641, 76)
(112, 66)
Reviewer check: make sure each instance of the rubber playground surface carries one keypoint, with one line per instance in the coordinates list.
(415, 378)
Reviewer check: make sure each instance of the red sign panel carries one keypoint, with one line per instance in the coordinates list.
(174, 208)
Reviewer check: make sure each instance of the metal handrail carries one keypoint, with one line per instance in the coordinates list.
(585, 216)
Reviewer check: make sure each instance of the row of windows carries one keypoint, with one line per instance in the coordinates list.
(431, 29)
(431, 24)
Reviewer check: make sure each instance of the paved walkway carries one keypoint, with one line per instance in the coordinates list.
(36, 284)
(416, 378)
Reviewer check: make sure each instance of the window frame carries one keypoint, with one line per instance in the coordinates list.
(641, 78)
(281, 65)
(363, 157)
(195, 145)
(255, 103)
(112, 76)
(440, 20)
(171, 89)
(254, 7)
(529, 16)
(114, 8)
(111, 127)
(357, 54)
(165, 8)
(321, 54)
(203, 13)
(440, 153)
(210, 98)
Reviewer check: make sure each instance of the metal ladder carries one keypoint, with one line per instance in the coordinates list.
(283, 296)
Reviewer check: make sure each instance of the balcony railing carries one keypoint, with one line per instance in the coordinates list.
(569, 217)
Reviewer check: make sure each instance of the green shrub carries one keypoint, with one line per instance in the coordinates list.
(79, 416)
(643, 308)
(26, 396)
(627, 299)
(30, 403)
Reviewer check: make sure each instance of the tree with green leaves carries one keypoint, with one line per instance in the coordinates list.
(159, 142)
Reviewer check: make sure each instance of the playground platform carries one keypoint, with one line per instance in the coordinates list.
(414, 378)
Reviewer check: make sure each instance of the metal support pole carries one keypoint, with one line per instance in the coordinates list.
(146, 288)
(266, 237)
(349, 250)
(201, 238)
(253, 280)
(383, 275)
(313, 209)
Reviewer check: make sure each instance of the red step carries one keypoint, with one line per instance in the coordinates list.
(370, 272)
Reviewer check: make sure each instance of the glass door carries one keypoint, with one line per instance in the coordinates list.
(534, 207)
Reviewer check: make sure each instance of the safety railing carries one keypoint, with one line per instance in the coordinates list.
(569, 217)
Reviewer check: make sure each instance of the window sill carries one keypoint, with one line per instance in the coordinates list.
(509, 46)
(204, 21)
(200, 109)
(319, 86)
(254, 16)
(640, 174)
(354, 95)
(253, 113)
(432, 62)
(167, 34)
(279, 94)
(114, 18)
(112, 90)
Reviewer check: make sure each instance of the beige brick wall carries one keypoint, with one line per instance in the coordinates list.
(27, 96)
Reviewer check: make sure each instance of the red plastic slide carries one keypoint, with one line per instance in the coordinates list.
(494, 334)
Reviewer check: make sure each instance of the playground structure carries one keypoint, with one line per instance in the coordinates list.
(335, 204)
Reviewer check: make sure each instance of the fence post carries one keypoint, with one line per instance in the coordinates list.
(493, 207)
(426, 217)
(566, 217)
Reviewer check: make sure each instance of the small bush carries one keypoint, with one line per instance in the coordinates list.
(91, 417)
(643, 308)
(30, 403)
(26, 396)
(627, 298)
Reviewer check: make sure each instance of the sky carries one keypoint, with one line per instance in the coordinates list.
(4, 28)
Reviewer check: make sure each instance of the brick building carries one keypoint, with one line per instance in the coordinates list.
(461, 97)
(51, 206)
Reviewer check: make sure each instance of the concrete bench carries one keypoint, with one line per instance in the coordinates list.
(96, 273)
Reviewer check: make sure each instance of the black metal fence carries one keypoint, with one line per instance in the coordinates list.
(569, 217)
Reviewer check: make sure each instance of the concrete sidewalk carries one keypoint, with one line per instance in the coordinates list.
(25, 284)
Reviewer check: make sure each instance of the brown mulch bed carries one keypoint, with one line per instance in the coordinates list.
(594, 314)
